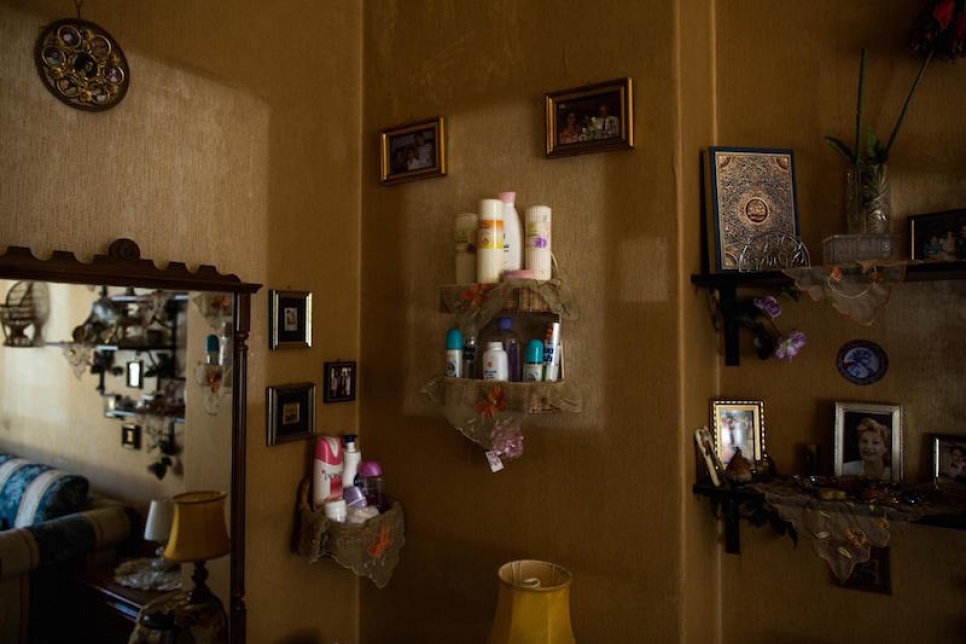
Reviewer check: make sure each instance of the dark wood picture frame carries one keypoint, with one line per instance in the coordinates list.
(938, 236)
(289, 319)
(849, 418)
(339, 381)
(290, 412)
(593, 118)
(413, 151)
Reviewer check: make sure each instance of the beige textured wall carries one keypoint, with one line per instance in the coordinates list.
(598, 492)
(237, 145)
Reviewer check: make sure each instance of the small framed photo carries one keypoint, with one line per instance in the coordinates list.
(938, 237)
(290, 319)
(339, 382)
(868, 441)
(949, 460)
(751, 197)
(413, 151)
(594, 118)
(738, 425)
(131, 436)
(291, 412)
(705, 444)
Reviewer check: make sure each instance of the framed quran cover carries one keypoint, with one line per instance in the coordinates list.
(751, 194)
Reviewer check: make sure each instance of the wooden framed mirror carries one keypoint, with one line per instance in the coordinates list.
(123, 267)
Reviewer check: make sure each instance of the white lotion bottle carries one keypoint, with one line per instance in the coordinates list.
(351, 457)
(512, 233)
(495, 363)
(489, 252)
(538, 255)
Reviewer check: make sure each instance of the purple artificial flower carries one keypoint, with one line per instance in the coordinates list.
(788, 347)
(508, 439)
(769, 306)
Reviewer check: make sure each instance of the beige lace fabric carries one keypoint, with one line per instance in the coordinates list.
(857, 289)
(474, 305)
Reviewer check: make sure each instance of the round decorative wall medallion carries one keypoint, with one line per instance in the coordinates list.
(82, 65)
(862, 362)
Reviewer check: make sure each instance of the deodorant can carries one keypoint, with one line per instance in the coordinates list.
(538, 254)
(327, 471)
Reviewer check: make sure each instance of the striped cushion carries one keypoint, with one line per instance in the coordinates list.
(31, 493)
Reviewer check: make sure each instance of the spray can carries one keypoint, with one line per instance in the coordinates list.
(551, 352)
(327, 471)
(538, 255)
(469, 358)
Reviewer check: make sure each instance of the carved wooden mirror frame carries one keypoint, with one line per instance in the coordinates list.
(123, 266)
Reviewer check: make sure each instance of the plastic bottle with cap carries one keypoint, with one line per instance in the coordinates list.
(454, 353)
(533, 365)
(512, 234)
(370, 475)
(327, 471)
(495, 362)
(211, 349)
(538, 254)
(511, 344)
(490, 254)
(351, 458)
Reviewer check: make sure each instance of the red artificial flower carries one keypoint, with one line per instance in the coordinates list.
(953, 42)
(476, 294)
(491, 403)
(930, 25)
(380, 543)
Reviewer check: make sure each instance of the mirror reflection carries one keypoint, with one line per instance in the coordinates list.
(112, 400)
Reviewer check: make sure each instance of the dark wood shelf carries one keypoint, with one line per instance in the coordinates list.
(728, 283)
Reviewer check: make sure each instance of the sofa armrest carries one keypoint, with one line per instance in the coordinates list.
(103, 524)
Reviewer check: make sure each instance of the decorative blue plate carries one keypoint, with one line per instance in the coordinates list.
(862, 362)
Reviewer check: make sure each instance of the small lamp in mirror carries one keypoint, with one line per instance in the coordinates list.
(198, 534)
(157, 528)
(533, 604)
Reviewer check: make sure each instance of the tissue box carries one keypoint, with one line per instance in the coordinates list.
(839, 249)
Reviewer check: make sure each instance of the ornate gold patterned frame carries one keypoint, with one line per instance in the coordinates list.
(738, 424)
(594, 118)
(413, 151)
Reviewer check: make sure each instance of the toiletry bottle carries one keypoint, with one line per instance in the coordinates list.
(533, 367)
(327, 470)
(489, 251)
(351, 457)
(211, 349)
(538, 254)
(512, 234)
(551, 353)
(494, 362)
(511, 344)
(464, 235)
(371, 477)
(469, 357)
(225, 350)
(454, 353)
(335, 510)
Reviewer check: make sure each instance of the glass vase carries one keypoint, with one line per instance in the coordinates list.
(868, 203)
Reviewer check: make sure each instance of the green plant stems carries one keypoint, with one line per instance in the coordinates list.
(858, 110)
(905, 106)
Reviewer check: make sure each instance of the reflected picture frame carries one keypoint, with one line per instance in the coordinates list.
(412, 151)
(592, 118)
(949, 460)
(738, 424)
(290, 412)
(339, 381)
(852, 420)
(289, 319)
(939, 236)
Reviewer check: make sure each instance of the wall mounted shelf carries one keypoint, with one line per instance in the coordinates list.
(726, 286)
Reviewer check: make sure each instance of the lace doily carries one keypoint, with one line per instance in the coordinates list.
(857, 290)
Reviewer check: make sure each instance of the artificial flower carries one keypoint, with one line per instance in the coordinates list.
(492, 403)
(380, 543)
(789, 346)
(769, 306)
(508, 439)
(476, 294)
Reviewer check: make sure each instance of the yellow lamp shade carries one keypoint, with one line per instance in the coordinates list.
(198, 530)
(533, 605)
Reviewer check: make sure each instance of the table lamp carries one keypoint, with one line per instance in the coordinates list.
(533, 605)
(198, 534)
(157, 527)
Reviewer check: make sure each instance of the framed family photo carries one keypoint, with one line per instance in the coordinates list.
(289, 319)
(738, 425)
(949, 460)
(291, 412)
(868, 441)
(938, 237)
(594, 118)
(751, 196)
(340, 382)
(413, 151)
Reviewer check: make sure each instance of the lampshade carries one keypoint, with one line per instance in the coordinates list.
(533, 605)
(157, 527)
(198, 530)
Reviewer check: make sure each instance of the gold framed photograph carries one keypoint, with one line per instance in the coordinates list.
(594, 118)
(868, 441)
(738, 425)
(413, 151)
